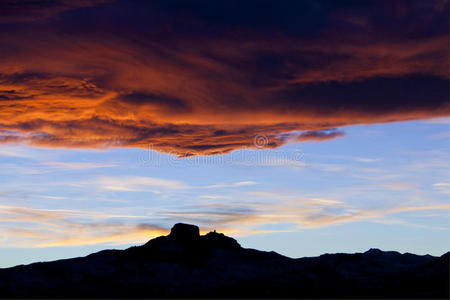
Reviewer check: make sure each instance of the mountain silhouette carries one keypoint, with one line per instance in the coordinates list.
(185, 264)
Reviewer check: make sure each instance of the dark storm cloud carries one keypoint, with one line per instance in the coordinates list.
(35, 10)
(319, 136)
(161, 102)
(205, 77)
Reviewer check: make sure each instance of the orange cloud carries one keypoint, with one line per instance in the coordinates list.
(77, 79)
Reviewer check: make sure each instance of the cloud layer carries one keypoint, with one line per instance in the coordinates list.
(203, 77)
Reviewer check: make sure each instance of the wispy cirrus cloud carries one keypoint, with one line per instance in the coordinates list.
(49, 228)
(137, 183)
(442, 187)
(247, 218)
(24, 226)
(79, 165)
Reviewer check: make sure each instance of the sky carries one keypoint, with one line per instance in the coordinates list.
(300, 127)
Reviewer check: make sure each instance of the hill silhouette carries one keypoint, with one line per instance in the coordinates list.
(186, 264)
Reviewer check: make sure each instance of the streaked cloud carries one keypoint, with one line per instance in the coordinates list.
(318, 136)
(246, 218)
(79, 165)
(244, 183)
(35, 227)
(443, 187)
(30, 11)
(227, 185)
(214, 197)
(399, 186)
(80, 82)
(137, 183)
(441, 135)
(32, 227)
(367, 159)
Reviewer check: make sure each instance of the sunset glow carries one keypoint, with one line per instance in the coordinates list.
(307, 126)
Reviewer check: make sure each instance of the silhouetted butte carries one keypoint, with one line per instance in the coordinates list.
(186, 264)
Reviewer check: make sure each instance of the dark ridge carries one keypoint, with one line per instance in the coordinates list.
(185, 264)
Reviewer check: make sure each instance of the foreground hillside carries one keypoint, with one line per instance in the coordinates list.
(185, 264)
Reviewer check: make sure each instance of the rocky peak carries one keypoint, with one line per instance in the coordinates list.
(374, 251)
(219, 240)
(185, 236)
(184, 232)
(189, 235)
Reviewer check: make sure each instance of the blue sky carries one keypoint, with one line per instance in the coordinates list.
(381, 186)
